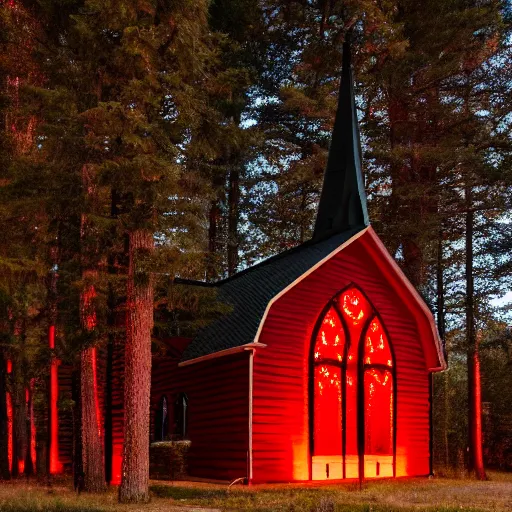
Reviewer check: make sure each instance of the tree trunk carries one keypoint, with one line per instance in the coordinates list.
(108, 406)
(78, 473)
(19, 401)
(113, 316)
(414, 264)
(5, 473)
(29, 461)
(53, 465)
(440, 290)
(442, 332)
(477, 454)
(93, 466)
(233, 200)
(52, 452)
(474, 396)
(92, 439)
(211, 264)
(139, 323)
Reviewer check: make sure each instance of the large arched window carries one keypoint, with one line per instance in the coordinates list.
(352, 374)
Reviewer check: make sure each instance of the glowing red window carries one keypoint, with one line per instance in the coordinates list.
(352, 368)
(376, 345)
(378, 424)
(354, 306)
(328, 430)
(328, 357)
(330, 340)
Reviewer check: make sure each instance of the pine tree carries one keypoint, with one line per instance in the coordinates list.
(23, 225)
(126, 95)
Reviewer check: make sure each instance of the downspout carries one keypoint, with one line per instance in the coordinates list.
(431, 423)
(248, 479)
(252, 351)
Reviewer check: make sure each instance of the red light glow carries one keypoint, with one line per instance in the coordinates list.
(117, 463)
(378, 422)
(88, 309)
(55, 465)
(377, 387)
(32, 427)
(354, 306)
(96, 400)
(9, 429)
(376, 346)
(327, 410)
(330, 341)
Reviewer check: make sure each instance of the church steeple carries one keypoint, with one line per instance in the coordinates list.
(343, 199)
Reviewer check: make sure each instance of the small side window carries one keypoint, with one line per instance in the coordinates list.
(181, 416)
(162, 420)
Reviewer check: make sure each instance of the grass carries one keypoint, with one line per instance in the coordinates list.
(412, 495)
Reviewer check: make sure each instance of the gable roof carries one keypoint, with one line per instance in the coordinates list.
(250, 291)
(253, 292)
(342, 218)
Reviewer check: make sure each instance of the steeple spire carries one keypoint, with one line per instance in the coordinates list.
(343, 199)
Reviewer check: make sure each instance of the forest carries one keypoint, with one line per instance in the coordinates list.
(144, 140)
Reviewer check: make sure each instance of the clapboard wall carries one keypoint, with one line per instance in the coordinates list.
(218, 410)
(281, 370)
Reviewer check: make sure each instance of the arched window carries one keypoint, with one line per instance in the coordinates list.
(180, 416)
(161, 420)
(352, 391)
(329, 355)
(379, 402)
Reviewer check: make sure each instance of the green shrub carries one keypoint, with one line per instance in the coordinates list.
(168, 460)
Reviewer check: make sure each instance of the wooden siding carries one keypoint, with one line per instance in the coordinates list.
(218, 411)
(281, 391)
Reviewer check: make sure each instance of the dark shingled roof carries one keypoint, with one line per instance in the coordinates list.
(250, 291)
(342, 213)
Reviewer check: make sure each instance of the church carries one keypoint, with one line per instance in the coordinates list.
(322, 368)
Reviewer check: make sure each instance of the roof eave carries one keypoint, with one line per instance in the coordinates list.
(420, 303)
(222, 353)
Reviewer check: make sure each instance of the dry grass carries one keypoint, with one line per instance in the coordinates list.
(412, 495)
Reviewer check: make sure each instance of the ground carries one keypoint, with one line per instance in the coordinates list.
(411, 495)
